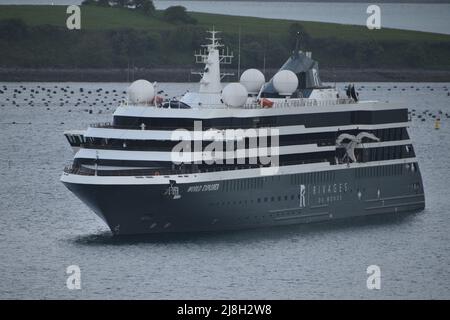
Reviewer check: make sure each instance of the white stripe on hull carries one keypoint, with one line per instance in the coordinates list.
(111, 133)
(168, 156)
(114, 168)
(384, 144)
(223, 175)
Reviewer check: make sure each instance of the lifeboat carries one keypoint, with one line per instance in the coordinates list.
(266, 103)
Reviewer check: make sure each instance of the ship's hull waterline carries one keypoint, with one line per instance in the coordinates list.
(257, 202)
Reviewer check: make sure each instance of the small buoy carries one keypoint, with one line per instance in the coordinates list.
(437, 124)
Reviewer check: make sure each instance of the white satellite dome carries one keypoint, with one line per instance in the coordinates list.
(141, 92)
(234, 95)
(253, 80)
(285, 82)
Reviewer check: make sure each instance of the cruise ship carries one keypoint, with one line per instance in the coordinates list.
(243, 155)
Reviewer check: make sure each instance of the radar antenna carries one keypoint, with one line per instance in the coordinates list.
(212, 55)
(297, 43)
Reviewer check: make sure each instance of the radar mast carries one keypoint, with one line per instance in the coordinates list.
(212, 57)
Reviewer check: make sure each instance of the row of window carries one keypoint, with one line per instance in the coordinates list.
(244, 202)
(320, 138)
(384, 171)
(316, 178)
(312, 120)
(313, 177)
(384, 153)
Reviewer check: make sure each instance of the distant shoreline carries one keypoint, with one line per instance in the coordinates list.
(343, 1)
(172, 74)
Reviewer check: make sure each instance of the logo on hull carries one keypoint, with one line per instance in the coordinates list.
(173, 192)
(302, 200)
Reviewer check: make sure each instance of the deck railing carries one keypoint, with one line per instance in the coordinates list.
(288, 103)
(180, 171)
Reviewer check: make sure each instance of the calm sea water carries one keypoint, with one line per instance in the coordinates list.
(410, 16)
(44, 228)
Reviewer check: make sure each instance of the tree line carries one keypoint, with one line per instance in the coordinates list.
(173, 14)
(46, 46)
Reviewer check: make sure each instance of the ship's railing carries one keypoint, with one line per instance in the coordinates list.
(180, 171)
(255, 105)
(301, 103)
(288, 103)
(102, 125)
(83, 171)
(109, 125)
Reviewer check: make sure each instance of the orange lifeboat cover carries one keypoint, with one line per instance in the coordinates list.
(266, 103)
(159, 100)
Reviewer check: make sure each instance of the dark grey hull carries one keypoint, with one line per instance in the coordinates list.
(256, 202)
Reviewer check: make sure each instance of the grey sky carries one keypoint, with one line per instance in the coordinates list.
(61, 2)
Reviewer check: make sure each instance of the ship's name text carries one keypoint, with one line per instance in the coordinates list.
(203, 188)
(329, 189)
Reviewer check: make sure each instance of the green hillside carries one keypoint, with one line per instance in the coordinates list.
(115, 37)
(100, 18)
